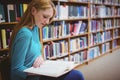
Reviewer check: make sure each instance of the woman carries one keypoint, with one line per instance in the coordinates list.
(25, 46)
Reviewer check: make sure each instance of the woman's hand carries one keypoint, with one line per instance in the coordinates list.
(39, 60)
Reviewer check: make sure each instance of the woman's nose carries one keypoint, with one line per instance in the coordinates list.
(46, 21)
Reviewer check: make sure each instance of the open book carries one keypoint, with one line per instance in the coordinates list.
(52, 68)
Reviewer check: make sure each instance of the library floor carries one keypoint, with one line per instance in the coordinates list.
(106, 67)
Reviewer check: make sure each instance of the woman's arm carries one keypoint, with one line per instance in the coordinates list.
(19, 50)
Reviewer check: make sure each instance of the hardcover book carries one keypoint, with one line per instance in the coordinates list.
(53, 68)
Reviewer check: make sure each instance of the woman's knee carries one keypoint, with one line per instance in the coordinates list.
(74, 75)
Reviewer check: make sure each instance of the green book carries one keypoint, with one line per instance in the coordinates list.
(2, 15)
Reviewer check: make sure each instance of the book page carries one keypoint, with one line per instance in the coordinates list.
(52, 68)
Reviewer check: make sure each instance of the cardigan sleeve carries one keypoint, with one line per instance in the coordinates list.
(19, 50)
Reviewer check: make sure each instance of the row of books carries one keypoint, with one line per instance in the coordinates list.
(114, 44)
(14, 12)
(97, 25)
(84, 55)
(105, 47)
(106, 1)
(116, 33)
(5, 38)
(117, 11)
(96, 1)
(79, 57)
(105, 24)
(103, 11)
(106, 35)
(70, 11)
(117, 22)
(78, 43)
(62, 29)
(96, 38)
(93, 52)
(56, 49)
(60, 48)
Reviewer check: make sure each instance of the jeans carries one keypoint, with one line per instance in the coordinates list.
(72, 75)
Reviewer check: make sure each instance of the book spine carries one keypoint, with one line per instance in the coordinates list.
(4, 44)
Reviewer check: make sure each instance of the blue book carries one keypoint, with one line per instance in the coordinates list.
(83, 27)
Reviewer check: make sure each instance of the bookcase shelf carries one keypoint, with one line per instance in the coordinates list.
(14, 1)
(1, 50)
(100, 36)
(8, 23)
(74, 19)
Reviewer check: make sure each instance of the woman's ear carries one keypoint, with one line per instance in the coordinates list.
(33, 11)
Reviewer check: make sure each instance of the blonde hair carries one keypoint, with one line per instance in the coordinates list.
(27, 18)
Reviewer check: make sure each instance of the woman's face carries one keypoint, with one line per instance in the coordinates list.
(42, 17)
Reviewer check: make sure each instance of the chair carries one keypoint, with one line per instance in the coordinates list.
(5, 69)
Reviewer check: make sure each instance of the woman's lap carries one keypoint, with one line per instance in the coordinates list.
(72, 75)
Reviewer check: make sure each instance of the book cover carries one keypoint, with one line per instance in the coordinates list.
(4, 44)
(2, 14)
(25, 7)
(52, 68)
(11, 13)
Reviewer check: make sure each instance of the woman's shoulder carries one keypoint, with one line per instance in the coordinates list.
(24, 32)
(25, 29)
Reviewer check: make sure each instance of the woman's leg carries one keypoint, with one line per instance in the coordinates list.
(74, 75)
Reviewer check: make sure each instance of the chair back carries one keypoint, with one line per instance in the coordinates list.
(5, 69)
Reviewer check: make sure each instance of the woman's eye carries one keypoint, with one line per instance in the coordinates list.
(45, 16)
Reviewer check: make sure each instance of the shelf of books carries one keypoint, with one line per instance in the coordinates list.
(82, 30)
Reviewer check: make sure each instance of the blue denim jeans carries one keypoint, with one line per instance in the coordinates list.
(72, 75)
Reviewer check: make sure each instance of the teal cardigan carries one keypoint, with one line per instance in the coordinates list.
(25, 49)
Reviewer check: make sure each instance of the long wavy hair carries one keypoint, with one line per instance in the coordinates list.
(28, 20)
